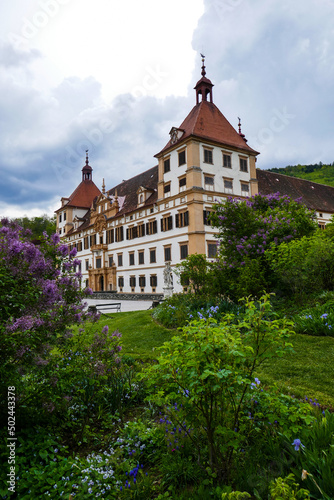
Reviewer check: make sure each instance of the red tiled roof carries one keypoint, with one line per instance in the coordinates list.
(315, 196)
(84, 195)
(206, 121)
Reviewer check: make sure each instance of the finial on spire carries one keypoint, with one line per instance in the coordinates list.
(203, 66)
(240, 133)
(87, 156)
(239, 125)
(103, 187)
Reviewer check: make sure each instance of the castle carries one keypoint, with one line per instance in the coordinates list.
(126, 237)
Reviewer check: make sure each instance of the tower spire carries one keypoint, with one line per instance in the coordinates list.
(87, 170)
(204, 85)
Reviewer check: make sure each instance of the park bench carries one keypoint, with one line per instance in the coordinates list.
(110, 306)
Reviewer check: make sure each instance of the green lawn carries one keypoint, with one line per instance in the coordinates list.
(309, 371)
(140, 334)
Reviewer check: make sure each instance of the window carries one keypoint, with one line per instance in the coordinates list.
(86, 265)
(321, 225)
(153, 280)
(141, 257)
(167, 165)
(182, 157)
(79, 246)
(243, 164)
(153, 257)
(151, 227)
(141, 230)
(208, 157)
(227, 161)
(212, 250)
(60, 218)
(64, 216)
(120, 259)
(132, 233)
(183, 183)
(182, 219)
(245, 188)
(86, 242)
(92, 240)
(167, 223)
(167, 189)
(119, 234)
(142, 281)
(110, 236)
(101, 239)
(121, 282)
(209, 182)
(111, 260)
(132, 281)
(228, 185)
(184, 251)
(206, 220)
(98, 262)
(131, 259)
(168, 254)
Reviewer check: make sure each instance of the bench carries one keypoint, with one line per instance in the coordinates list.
(111, 305)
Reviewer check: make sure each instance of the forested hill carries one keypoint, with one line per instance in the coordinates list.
(321, 173)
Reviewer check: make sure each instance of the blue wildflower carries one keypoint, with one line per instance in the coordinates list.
(297, 444)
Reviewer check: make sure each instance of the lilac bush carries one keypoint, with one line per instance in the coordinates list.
(40, 297)
(248, 228)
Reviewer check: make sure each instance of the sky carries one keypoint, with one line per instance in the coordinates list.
(114, 77)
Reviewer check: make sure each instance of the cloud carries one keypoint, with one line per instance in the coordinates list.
(272, 64)
(274, 58)
(11, 56)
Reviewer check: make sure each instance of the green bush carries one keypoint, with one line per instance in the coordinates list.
(204, 374)
(304, 266)
(178, 310)
(317, 320)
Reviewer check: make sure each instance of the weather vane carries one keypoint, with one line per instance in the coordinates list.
(203, 66)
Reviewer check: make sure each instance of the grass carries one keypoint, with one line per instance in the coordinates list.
(140, 334)
(308, 371)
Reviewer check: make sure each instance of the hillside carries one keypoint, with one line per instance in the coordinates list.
(319, 172)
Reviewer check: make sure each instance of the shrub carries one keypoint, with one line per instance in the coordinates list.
(304, 266)
(40, 297)
(204, 374)
(316, 320)
(247, 228)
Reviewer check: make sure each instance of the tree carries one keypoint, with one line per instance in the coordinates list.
(38, 225)
(248, 227)
(196, 272)
(40, 297)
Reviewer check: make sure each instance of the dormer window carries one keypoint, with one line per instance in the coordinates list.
(141, 196)
(175, 134)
